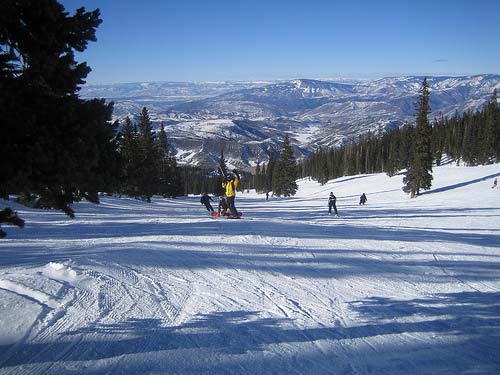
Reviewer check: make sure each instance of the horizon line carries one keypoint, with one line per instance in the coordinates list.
(357, 77)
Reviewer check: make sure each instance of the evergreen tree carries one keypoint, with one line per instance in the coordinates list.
(285, 174)
(148, 157)
(418, 174)
(453, 145)
(324, 174)
(257, 174)
(55, 148)
(101, 175)
(258, 181)
(164, 160)
(393, 164)
(129, 151)
(271, 165)
(175, 182)
(261, 184)
(406, 145)
(492, 112)
(438, 140)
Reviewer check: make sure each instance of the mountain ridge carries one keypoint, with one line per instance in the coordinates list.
(249, 119)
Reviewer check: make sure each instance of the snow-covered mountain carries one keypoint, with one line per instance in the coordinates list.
(247, 119)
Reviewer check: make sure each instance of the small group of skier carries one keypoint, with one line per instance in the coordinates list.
(332, 203)
(229, 184)
(223, 206)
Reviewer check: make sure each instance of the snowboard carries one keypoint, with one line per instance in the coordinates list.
(228, 215)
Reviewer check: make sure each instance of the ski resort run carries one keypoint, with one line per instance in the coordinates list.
(395, 286)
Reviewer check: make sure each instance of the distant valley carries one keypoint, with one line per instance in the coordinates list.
(248, 120)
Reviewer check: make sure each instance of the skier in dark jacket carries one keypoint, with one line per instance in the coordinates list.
(205, 199)
(332, 203)
(362, 199)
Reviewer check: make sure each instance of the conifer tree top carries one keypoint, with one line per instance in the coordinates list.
(37, 40)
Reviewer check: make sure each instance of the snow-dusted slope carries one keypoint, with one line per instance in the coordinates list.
(398, 286)
(328, 112)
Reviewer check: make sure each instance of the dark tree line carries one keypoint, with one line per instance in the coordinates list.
(472, 138)
(280, 174)
(419, 166)
(147, 164)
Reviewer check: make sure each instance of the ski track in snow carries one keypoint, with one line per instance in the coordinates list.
(398, 286)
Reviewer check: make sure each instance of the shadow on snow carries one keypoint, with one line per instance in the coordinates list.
(457, 333)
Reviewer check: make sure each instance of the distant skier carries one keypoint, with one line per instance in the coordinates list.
(332, 203)
(495, 182)
(362, 199)
(205, 199)
(223, 206)
(230, 184)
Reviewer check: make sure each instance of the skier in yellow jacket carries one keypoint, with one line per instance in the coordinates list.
(230, 184)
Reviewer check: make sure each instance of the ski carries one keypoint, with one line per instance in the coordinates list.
(227, 215)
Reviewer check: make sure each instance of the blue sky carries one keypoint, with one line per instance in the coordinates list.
(213, 40)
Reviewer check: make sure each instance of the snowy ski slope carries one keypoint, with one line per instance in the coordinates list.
(399, 286)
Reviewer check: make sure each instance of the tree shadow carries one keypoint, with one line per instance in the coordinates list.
(281, 248)
(302, 224)
(455, 333)
(471, 319)
(461, 184)
(472, 306)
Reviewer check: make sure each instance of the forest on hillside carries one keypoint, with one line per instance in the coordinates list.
(471, 138)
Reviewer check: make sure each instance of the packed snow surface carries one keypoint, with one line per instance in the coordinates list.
(398, 286)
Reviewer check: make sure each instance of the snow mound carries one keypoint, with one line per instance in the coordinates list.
(60, 272)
